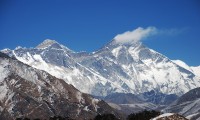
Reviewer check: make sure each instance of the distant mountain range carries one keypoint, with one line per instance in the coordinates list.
(129, 76)
(115, 68)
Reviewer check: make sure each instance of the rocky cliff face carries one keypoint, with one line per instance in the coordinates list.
(32, 93)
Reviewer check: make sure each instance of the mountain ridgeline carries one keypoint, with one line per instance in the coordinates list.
(115, 68)
(53, 80)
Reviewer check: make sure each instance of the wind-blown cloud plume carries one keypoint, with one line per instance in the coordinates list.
(135, 35)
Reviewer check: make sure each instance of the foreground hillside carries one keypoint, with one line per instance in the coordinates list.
(32, 93)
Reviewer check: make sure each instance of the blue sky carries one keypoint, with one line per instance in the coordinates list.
(87, 25)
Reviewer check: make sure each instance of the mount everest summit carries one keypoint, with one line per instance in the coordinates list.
(115, 68)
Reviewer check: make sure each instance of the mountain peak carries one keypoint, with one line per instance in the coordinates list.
(6, 50)
(116, 42)
(46, 43)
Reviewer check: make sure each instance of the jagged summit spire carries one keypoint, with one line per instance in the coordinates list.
(46, 43)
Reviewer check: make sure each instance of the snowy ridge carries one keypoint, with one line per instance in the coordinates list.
(196, 70)
(163, 115)
(195, 116)
(182, 64)
(123, 68)
(46, 44)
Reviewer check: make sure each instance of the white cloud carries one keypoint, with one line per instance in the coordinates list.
(135, 35)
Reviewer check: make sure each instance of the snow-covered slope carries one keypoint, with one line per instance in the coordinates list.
(137, 69)
(116, 67)
(163, 115)
(32, 93)
(182, 64)
(196, 70)
(195, 116)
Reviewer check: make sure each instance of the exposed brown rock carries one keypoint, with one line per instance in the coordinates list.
(44, 97)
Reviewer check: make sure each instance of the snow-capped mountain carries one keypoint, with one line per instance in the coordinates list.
(117, 67)
(29, 92)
